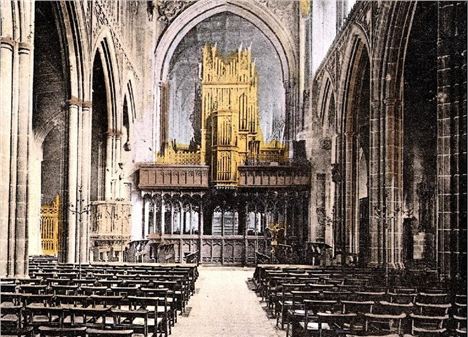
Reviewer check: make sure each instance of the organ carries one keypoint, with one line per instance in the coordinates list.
(230, 123)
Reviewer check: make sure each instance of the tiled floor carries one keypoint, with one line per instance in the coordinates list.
(224, 306)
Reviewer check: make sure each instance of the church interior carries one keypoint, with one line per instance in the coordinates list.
(233, 168)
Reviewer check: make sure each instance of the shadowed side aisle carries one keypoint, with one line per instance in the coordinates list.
(224, 306)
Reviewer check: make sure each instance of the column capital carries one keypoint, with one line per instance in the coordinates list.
(114, 133)
(73, 101)
(87, 105)
(24, 47)
(390, 102)
(7, 42)
(375, 104)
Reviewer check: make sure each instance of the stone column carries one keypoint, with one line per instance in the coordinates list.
(118, 171)
(34, 199)
(13, 165)
(222, 222)
(146, 209)
(163, 216)
(24, 129)
(190, 218)
(393, 191)
(375, 162)
(109, 173)
(6, 133)
(72, 230)
(246, 242)
(85, 159)
(200, 230)
(172, 218)
(349, 197)
(181, 218)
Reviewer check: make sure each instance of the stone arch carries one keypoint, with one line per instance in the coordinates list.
(259, 16)
(77, 49)
(393, 27)
(357, 46)
(129, 115)
(105, 49)
(354, 130)
(68, 23)
(418, 154)
(327, 97)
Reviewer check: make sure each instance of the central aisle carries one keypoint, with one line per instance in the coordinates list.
(224, 306)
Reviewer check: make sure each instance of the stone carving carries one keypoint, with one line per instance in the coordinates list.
(285, 11)
(168, 10)
(336, 173)
(326, 143)
(362, 18)
(101, 13)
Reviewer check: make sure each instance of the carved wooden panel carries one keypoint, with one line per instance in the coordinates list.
(173, 176)
(274, 176)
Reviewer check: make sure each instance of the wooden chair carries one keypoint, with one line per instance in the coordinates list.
(106, 301)
(384, 307)
(60, 289)
(11, 316)
(432, 309)
(422, 325)
(433, 298)
(384, 322)
(45, 331)
(71, 300)
(134, 319)
(9, 287)
(375, 296)
(12, 298)
(357, 307)
(37, 299)
(93, 290)
(88, 317)
(10, 330)
(460, 325)
(296, 312)
(459, 308)
(380, 335)
(40, 315)
(167, 304)
(312, 307)
(92, 332)
(125, 291)
(337, 295)
(33, 288)
(336, 324)
(157, 322)
(284, 301)
(403, 298)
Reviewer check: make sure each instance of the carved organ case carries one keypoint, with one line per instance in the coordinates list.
(229, 112)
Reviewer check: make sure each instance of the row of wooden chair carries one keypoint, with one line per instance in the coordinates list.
(99, 299)
(337, 302)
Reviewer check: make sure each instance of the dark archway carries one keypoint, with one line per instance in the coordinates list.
(420, 135)
(356, 154)
(50, 91)
(100, 136)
